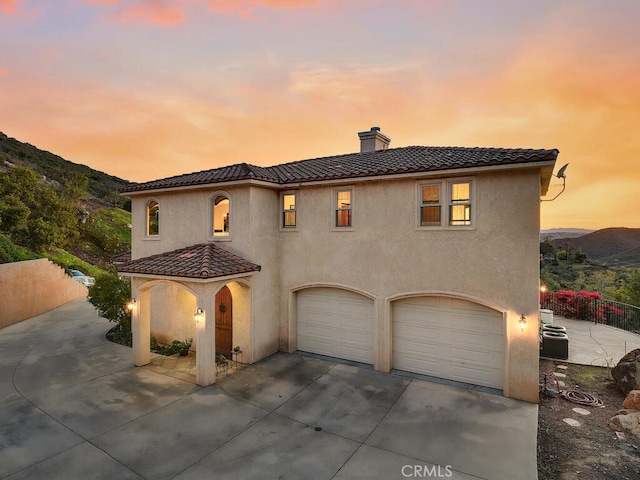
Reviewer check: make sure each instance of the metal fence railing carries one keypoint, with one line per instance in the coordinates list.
(590, 306)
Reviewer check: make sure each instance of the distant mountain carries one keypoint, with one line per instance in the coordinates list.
(556, 233)
(609, 246)
(101, 187)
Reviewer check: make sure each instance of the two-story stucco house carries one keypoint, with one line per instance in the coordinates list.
(420, 259)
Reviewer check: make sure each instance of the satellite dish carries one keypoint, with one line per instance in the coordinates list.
(560, 173)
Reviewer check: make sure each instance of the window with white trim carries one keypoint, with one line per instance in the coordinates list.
(153, 218)
(289, 201)
(343, 208)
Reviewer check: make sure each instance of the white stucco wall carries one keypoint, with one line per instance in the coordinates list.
(172, 313)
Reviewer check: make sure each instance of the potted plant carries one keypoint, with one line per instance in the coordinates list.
(183, 347)
(236, 349)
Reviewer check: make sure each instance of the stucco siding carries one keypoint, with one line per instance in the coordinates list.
(172, 313)
(262, 248)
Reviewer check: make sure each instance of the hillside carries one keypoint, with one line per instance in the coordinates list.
(101, 186)
(65, 211)
(609, 246)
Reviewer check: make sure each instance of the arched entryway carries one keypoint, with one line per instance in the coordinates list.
(224, 322)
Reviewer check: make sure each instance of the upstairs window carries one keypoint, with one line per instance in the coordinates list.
(459, 204)
(153, 218)
(220, 207)
(289, 210)
(343, 206)
(430, 206)
(445, 204)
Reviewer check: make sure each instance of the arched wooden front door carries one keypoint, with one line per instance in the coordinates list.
(224, 322)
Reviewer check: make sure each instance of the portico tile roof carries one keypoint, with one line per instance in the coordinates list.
(201, 261)
(392, 161)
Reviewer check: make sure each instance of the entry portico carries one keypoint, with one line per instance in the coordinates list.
(197, 274)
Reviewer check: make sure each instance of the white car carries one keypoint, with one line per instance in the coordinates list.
(86, 280)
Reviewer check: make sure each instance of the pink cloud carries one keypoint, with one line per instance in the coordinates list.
(9, 6)
(152, 13)
(163, 13)
(168, 13)
(246, 7)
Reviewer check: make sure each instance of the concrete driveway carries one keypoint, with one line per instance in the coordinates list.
(72, 406)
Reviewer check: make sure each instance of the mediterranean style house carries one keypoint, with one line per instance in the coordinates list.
(419, 259)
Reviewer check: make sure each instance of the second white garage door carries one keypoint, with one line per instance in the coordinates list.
(449, 338)
(335, 322)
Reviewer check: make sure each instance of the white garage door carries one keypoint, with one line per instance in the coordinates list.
(449, 338)
(337, 323)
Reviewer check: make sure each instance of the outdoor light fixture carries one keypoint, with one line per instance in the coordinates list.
(522, 322)
(543, 288)
(199, 316)
(131, 305)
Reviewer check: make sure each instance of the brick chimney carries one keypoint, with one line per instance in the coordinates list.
(373, 140)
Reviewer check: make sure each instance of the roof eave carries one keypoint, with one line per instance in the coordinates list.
(546, 172)
(188, 279)
(199, 186)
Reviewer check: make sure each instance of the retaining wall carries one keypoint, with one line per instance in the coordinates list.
(33, 287)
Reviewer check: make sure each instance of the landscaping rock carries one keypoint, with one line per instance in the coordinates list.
(632, 402)
(626, 373)
(627, 421)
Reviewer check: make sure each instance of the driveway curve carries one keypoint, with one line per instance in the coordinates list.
(73, 406)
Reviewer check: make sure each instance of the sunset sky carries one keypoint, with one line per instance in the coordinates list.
(145, 89)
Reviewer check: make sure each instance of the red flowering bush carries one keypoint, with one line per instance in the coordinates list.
(579, 305)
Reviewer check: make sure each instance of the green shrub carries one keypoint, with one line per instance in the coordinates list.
(10, 252)
(110, 296)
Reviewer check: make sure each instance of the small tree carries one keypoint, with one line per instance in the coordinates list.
(631, 288)
(110, 295)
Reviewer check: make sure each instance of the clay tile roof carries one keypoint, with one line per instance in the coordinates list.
(355, 165)
(124, 257)
(201, 261)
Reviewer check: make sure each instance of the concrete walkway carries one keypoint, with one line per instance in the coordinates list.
(596, 344)
(72, 406)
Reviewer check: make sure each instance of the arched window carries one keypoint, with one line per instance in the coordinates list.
(153, 218)
(220, 208)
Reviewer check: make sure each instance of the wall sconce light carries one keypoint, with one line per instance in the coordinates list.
(199, 316)
(543, 288)
(131, 304)
(522, 322)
